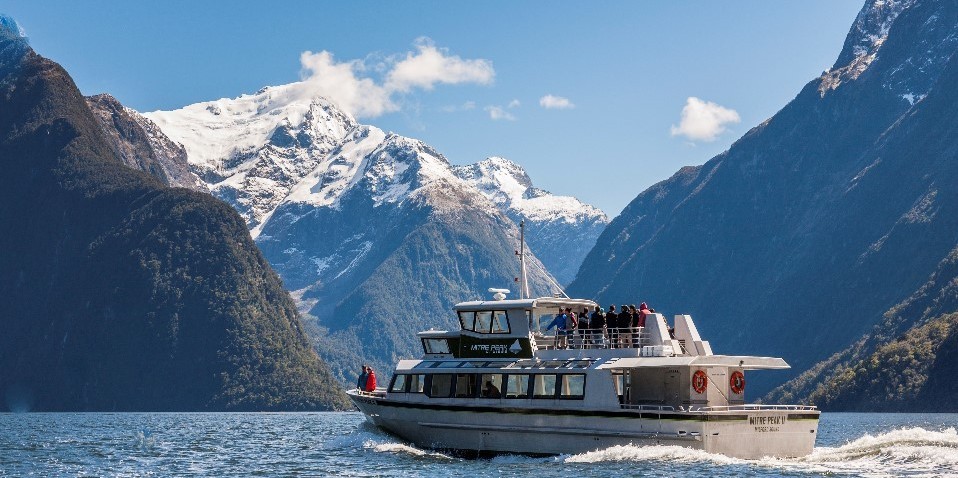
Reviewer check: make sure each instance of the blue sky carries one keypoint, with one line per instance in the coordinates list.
(627, 70)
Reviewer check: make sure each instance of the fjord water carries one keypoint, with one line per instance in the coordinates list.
(342, 444)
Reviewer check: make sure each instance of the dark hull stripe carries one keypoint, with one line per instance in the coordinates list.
(583, 413)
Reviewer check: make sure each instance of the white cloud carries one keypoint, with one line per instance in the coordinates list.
(704, 120)
(348, 85)
(553, 102)
(497, 113)
(514, 104)
(338, 82)
(431, 65)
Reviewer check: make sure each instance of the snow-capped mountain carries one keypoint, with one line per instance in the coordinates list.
(252, 150)
(366, 227)
(560, 229)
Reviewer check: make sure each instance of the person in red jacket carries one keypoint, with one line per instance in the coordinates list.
(371, 381)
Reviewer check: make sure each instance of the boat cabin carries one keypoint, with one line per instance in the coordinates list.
(644, 367)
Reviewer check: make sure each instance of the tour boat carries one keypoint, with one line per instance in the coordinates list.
(502, 383)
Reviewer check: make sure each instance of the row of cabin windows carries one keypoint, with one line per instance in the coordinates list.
(485, 321)
(567, 386)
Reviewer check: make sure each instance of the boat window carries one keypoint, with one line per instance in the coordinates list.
(578, 364)
(445, 364)
(543, 386)
(490, 385)
(524, 364)
(436, 346)
(500, 322)
(545, 319)
(440, 385)
(465, 385)
(466, 320)
(473, 364)
(573, 386)
(483, 321)
(416, 383)
(399, 383)
(517, 386)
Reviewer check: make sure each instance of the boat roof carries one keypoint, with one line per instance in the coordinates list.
(744, 361)
(524, 303)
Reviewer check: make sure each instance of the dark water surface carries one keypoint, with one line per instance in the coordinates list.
(341, 444)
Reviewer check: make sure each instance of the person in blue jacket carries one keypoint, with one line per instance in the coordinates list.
(559, 323)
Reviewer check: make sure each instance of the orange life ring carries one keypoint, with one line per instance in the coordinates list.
(700, 381)
(737, 382)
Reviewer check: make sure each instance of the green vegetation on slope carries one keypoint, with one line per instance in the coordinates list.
(120, 293)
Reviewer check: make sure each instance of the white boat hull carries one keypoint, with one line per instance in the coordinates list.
(484, 429)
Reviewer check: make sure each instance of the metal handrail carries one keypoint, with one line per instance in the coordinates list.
(755, 407)
(606, 338)
(660, 408)
(379, 392)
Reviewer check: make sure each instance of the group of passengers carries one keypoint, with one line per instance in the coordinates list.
(367, 380)
(600, 329)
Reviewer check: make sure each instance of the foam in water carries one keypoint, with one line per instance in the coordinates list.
(372, 439)
(652, 453)
(901, 452)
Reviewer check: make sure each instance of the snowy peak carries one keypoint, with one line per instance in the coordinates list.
(903, 43)
(499, 179)
(508, 185)
(252, 150)
(866, 37)
(559, 229)
(383, 166)
(218, 133)
(870, 29)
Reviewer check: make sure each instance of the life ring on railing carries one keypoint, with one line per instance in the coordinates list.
(737, 382)
(700, 381)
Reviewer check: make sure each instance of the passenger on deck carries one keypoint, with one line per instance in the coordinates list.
(361, 383)
(644, 313)
(625, 327)
(635, 323)
(612, 322)
(571, 324)
(559, 323)
(371, 380)
(597, 327)
(491, 391)
(585, 329)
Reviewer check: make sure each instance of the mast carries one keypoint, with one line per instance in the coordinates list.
(524, 280)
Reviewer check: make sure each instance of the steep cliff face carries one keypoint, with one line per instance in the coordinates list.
(797, 239)
(141, 145)
(121, 293)
(902, 364)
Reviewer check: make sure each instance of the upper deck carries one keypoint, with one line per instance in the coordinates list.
(518, 329)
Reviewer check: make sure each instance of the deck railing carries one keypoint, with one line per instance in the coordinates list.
(606, 338)
(654, 408)
(380, 392)
(755, 407)
(720, 408)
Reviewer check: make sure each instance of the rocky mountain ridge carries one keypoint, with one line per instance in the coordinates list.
(798, 239)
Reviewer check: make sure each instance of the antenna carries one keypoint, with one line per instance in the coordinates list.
(524, 280)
